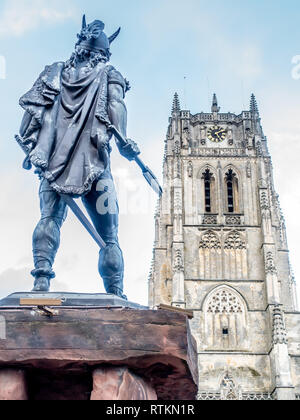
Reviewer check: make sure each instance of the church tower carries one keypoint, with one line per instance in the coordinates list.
(221, 250)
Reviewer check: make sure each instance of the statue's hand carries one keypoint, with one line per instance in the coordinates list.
(130, 151)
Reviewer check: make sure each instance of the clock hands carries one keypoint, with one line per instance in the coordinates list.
(217, 134)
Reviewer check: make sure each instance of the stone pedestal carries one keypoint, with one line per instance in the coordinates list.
(103, 352)
(12, 385)
(120, 384)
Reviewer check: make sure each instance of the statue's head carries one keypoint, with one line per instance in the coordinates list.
(93, 39)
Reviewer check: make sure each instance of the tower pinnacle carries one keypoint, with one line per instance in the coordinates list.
(176, 103)
(215, 107)
(253, 104)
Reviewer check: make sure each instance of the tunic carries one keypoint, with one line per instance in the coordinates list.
(68, 120)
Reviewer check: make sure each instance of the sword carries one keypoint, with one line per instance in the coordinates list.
(83, 219)
(148, 174)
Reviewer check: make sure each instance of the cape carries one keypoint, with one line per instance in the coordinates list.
(67, 121)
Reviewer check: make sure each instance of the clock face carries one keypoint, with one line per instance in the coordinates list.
(216, 134)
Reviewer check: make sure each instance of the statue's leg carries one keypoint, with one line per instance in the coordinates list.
(102, 206)
(46, 237)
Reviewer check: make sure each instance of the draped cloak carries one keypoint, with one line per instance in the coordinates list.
(67, 119)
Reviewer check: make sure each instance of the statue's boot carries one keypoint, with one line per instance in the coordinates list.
(41, 284)
(43, 276)
(116, 291)
(111, 269)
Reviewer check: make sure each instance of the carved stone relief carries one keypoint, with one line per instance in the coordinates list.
(178, 261)
(279, 330)
(270, 263)
(233, 220)
(210, 220)
(190, 170)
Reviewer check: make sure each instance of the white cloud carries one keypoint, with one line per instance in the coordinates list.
(21, 16)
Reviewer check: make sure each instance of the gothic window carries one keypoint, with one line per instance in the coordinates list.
(232, 189)
(209, 181)
(225, 318)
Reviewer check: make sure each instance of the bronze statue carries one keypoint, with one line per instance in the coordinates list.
(71, 114)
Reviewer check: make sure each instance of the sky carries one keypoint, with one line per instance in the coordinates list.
(194, 47)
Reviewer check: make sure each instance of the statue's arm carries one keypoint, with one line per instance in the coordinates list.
(117, 110)
(118, 116)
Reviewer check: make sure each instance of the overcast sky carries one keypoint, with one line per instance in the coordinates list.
(232, 48)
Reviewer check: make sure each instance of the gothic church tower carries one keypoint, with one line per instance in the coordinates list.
(221, 250)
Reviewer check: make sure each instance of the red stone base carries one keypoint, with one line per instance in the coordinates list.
(13, 385)
(120, 384)
(98, 354)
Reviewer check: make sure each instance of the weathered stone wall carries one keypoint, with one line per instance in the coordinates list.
(252, 373)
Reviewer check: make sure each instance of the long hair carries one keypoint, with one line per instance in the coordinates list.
(93, 58)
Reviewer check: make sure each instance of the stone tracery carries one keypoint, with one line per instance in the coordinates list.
(210, 240)
(224, 301)
(234, 241)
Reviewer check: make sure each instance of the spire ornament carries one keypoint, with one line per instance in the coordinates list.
(279, 330)
(253, 105)
(215, 107)
(176, 103)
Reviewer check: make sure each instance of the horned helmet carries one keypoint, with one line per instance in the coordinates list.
(93, 38)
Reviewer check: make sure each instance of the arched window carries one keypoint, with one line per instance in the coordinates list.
(232, 192)
(225, 318)
(208, 178)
